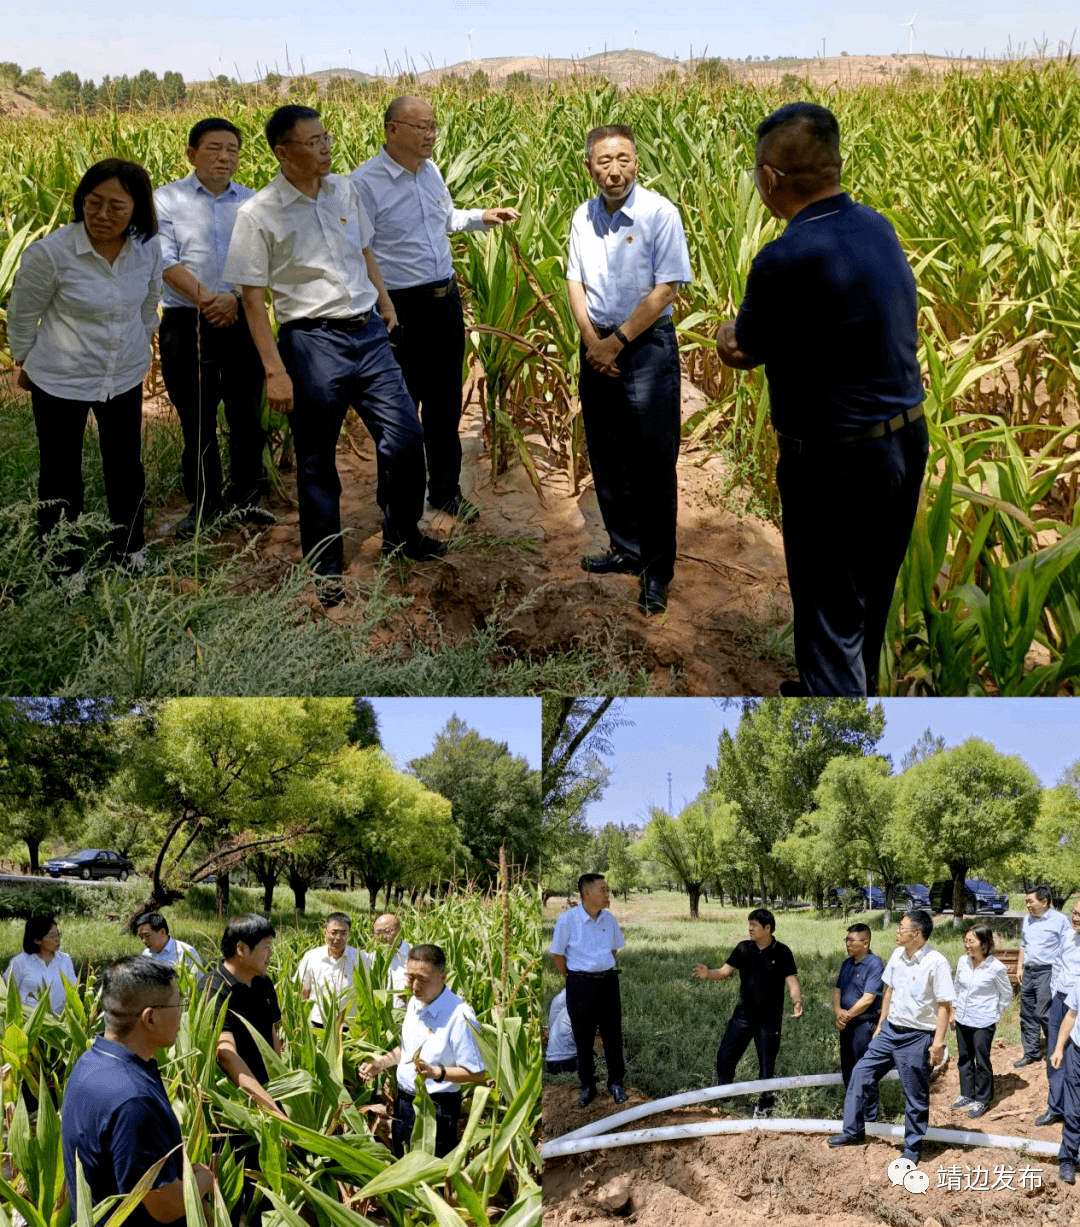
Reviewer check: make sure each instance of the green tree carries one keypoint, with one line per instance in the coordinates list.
(56, 756)
(971, 805)
(712, 72)
(66, 91)
(689, 845)
(495, 796)
(1052, 853)
(174, 89)
(613, 855)
(771, 766)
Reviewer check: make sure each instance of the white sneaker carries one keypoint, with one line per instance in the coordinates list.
(75, 584)
(136, 562)
(962, 1102)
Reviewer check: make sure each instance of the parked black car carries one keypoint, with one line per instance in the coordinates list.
(856, 898)
(90, 863)
(913, 895)
(979, 896)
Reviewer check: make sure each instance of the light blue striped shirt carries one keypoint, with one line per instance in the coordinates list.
(621, 257)
(1067, 964)
(587, 943)
(194, 229)
(412, 215)
(1043, 937)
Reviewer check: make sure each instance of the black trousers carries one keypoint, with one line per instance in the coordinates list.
(431, 354)
(973, 1062)
(61, 425)
(594, 1004)
(738, 1035)
(1034, 1008)
(447, 1111)
(202, 367)
(332, 368)
(847, 517)
(854, 1041)
(632, 427)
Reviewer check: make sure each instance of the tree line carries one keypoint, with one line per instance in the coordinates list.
(67, 92)
(287, 790)
(799, 801)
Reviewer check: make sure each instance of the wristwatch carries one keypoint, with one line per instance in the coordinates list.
(618, 332)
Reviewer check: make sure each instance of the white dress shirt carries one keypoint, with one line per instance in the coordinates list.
(33, 977)
(395, 976)
(412, 215)
(309, 252)
(620, 258)
(560, 1045)
(81, 326)
(330, 979)
(173, 953)
(444, 1032)
(1043, 937)
(587, 942)
(918, 984)
(194, 229)
(983, 993)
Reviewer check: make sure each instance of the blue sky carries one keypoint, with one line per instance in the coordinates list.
(409, 726)
(236, 36)
(681, 735)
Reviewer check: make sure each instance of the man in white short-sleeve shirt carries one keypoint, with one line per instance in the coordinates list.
(387, 930)
(628, 257)
(911, 1034)
(583, 949)
(326, 973)
(306, 237)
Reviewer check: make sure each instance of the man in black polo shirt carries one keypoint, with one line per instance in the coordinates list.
(764, 966)
(830, 309)
(117, 1117)
(245, 991)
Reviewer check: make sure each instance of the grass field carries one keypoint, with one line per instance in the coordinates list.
(672, 1023)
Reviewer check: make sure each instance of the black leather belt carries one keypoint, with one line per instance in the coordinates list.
(595, 975)
(430, 289)
(351, 323)
(879, 430)
(910, 1030)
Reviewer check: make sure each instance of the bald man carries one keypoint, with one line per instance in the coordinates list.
(830, 309)
(412, 213)
(388, 931)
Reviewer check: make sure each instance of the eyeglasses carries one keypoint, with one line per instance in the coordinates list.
(776, 170)
(115, 208)
(177, 1005)
(425, 129)
(327, 139)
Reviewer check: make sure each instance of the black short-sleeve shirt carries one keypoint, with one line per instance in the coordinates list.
(761, 978)
(257, 1002)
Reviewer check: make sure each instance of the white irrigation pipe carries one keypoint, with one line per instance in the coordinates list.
(957, 1137)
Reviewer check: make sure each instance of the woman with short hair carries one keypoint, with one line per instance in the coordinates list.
(42, 967)
(83, 309)
(983, 994)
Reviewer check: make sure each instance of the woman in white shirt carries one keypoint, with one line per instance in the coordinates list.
(42, 968)
(983, 994)
(83, 309)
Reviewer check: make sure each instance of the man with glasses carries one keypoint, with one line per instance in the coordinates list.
(117, 1117)
(306, 237)
(412, 214)
(911, 1034)
(830, 308)
(388, 932)
(1043, 936)
(1064, 974)
(857, 1006)
(326, 973)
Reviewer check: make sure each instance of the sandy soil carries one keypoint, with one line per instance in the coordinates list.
(795, 1180)
(729, 583)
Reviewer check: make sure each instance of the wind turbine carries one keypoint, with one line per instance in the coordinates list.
(911, 31)
(468, 35)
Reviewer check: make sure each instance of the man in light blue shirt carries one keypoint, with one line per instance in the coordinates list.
(583, 950)
(410, 209)
(628, 257)
(1064, 974)
(207, 355)
(1042, 938)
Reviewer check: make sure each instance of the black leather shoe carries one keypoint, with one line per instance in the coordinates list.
(459, 507)
(1048, 1118)
(793, 689)
(421, 549)
(614, 562)
(1025, 1061)
(588, 1094)
(653, 596)
(193, 522)
(1066, 1171)
(842, 1139)
(329, 590)
(618, 1093)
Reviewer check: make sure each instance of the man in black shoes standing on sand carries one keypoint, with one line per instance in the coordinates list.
(583, 948)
